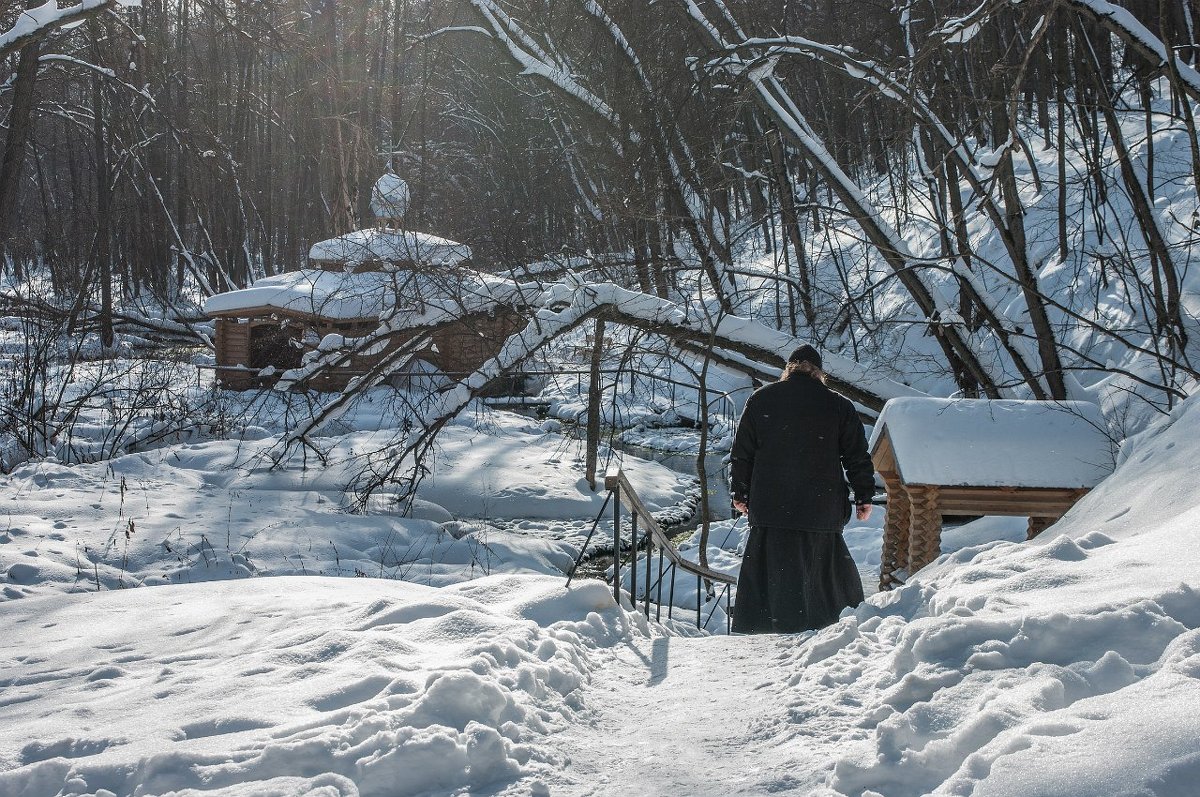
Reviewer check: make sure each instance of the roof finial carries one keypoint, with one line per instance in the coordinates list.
(389, 199)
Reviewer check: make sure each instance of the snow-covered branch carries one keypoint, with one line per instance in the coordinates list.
(1137, 37)
(536, 63)
(974, 169)
(737, 342)
(888, 242)
(56, 58)
(962, 29)
(37, 23)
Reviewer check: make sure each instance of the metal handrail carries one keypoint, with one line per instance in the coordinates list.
(618, 485)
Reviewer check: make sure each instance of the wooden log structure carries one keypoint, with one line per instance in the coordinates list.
(962, 470)
(895, 533)
(255, 345)
(266, 329)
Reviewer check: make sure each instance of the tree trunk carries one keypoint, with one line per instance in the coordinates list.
(103, 213)
(593, 409)
(702, 454)
(20, 122)
(791, 224)
(1167, 299)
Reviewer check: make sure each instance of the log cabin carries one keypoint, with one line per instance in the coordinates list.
(352, 282)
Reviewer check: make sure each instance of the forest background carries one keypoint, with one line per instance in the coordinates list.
(918, 170)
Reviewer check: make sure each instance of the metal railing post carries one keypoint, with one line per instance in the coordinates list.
(671, 597)
(658, 597)
(617, 545)
(633, 546)
(649, 551)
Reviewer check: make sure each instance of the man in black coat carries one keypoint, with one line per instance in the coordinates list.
(796, 443)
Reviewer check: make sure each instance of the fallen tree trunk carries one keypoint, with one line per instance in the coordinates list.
(740, 344)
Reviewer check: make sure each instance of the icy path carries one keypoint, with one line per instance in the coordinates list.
(698, 717)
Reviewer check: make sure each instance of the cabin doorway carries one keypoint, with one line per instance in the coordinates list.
(274, 344)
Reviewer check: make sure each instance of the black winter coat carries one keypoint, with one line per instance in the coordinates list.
(793, 441)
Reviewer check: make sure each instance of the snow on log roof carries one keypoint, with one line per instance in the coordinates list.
(996, 443)
(337, 295)
(367, 295)
(389, 246)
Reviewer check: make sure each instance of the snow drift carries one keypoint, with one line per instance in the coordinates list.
(1068, 666)
(296, 686)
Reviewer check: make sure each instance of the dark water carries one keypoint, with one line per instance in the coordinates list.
(718, 476)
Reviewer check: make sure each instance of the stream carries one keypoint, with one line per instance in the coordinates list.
(718, 477)
(680, 462)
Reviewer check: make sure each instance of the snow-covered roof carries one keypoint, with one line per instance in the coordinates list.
(367, 295)
(987, 443)
(329, 294)
(390, 246)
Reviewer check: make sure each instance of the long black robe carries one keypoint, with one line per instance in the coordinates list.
(793, 581)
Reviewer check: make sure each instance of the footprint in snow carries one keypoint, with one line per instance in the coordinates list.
(63, 748)
(220, 727)
(104, 674)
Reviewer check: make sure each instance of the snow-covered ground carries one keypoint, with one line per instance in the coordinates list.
(1066, 666)
(297, 686)
(223, 509)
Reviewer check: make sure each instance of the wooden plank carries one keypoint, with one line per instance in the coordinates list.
(882, 455)
(1015, 498)
(1000, 507)
(1000, 498)
(233, 342)
(945, 489)
(1004, 510)
(1016, 506)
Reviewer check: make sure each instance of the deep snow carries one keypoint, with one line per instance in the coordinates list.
(1066, 666)
(222, 509)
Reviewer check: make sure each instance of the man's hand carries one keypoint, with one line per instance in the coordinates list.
(863, 511)
(741, 506)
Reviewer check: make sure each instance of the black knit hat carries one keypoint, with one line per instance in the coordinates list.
(806, 354)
